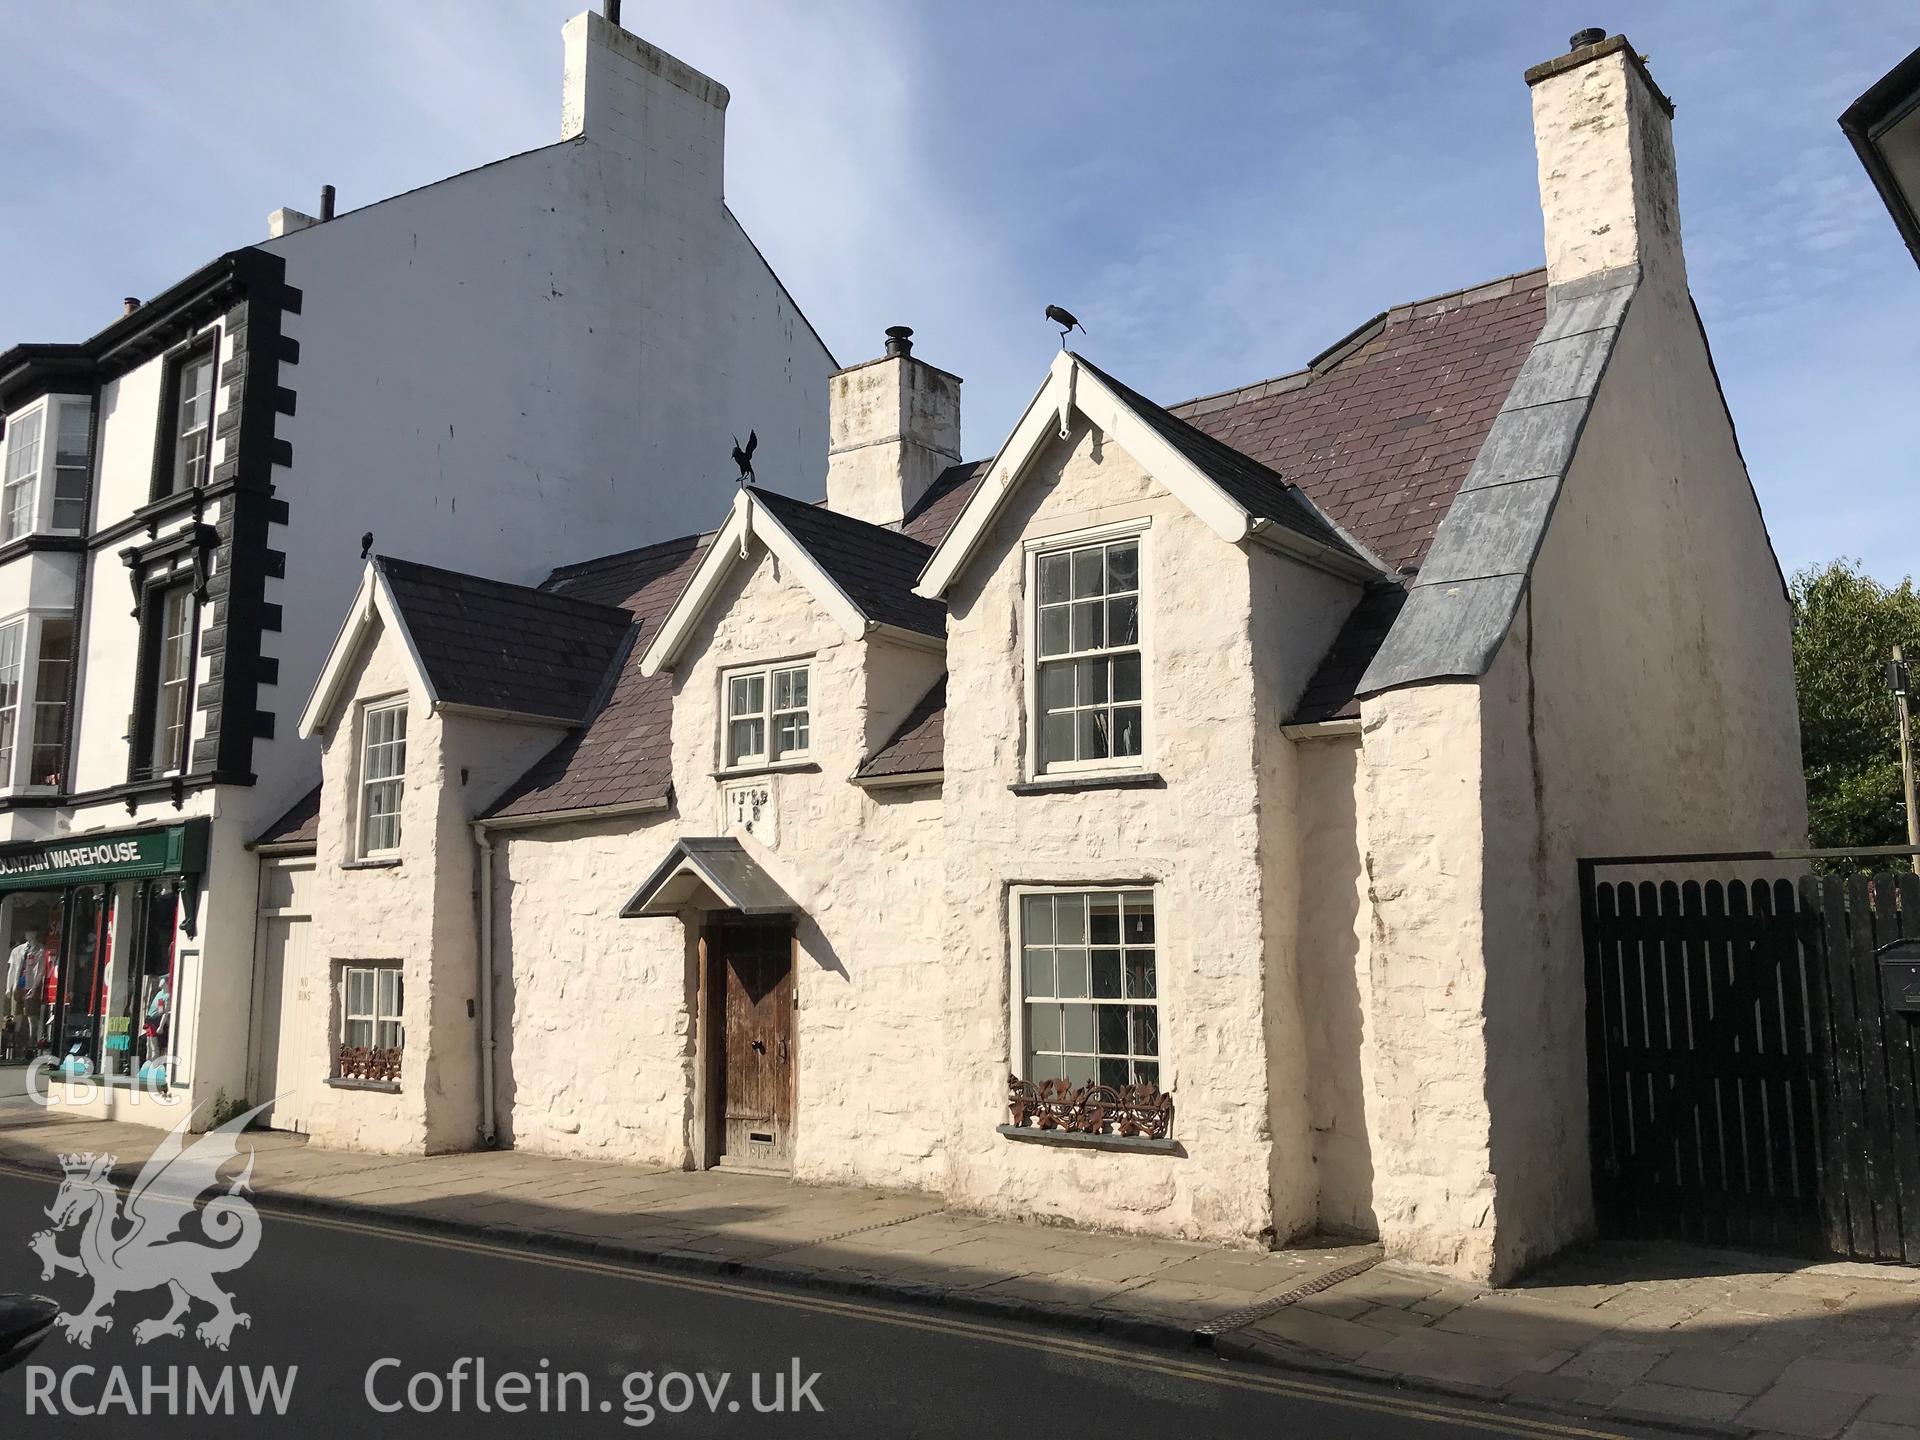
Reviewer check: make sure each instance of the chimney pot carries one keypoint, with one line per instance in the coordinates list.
(613, 12)
(326, 203)
(130, 304)
(899, 340)
(1592, 35)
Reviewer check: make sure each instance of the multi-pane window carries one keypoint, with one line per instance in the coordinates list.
(372, 1034)
(44, 470)
(769, 702)
(192, 423)
(19, 494)
(13, 648)
(72, 456)
(173, 680)
(1087, 633)
(383, 768)
(52, 670)
(1089, 989)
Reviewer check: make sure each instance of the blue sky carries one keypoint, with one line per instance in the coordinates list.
(1218, 189)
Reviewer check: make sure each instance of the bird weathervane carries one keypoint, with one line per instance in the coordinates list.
(744, 458)
(1064, 319)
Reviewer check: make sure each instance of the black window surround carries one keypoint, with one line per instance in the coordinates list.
(166, 483)
(179, 563)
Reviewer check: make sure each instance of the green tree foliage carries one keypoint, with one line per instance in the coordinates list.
(1847, 624)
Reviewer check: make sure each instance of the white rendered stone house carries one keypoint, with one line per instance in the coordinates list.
(1239, 751)
(497, 369)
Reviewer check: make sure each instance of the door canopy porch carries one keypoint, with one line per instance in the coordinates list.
(709, 873)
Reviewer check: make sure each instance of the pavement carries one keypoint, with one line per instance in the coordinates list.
(1704, 1341)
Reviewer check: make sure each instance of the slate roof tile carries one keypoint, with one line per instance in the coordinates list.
(919, 744)
(877, 567)
(299, 826)
(497, 646)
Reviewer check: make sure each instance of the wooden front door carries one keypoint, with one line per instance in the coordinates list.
(750, 1018)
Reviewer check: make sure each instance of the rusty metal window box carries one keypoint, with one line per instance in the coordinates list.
(383, 1087)
(1101, 1117)
(1140, 1144)
(370, 1064)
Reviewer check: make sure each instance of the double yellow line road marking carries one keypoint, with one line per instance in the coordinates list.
(1217, 1373)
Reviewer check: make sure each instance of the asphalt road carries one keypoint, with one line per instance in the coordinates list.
(337, 1299)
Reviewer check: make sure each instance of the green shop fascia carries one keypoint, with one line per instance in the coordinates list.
(91, 926)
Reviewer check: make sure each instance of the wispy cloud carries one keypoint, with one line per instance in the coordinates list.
(1218, 189)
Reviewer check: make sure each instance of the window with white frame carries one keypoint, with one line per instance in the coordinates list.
(172, 680)
(383, 769)
(768, 716)
(52, 677)
(43, 474)
(190, 423)
(72, 460)
(1088, 1008)
(13, 662)
(20, 494)
(372, 1032)
(36, 662)
(1087, 660)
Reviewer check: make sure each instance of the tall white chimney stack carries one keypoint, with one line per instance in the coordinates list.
(1608, 190)
(893, 425)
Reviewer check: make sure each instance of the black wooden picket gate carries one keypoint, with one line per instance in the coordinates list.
(1748, 1084)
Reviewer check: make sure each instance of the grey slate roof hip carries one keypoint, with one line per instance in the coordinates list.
(918, 744)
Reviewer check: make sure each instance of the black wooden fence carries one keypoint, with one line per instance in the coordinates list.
(1748, 1084)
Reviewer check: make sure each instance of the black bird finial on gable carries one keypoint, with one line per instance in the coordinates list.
(744, 458)
(366, 545)
(1065, 320)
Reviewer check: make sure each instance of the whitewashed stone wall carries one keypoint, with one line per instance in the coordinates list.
(1336, 981)
(619, 1083)
(1196, 840)
(1654, 712)
(419, 912)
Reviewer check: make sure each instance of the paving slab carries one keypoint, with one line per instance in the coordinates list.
(1678, 1401)
(1710, 1370)
(1800, 1410)
(1460, 1359)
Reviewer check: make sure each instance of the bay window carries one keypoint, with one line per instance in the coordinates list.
(1087, 992)
(36, 663)
(1088, 705)
(44, 472)
(383, 768)
(768, 714)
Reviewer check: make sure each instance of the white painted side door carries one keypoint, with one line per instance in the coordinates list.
(290, 1009)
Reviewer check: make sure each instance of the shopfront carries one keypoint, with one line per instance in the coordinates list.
(91, 927)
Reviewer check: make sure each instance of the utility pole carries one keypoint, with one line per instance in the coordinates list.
(1897, 678)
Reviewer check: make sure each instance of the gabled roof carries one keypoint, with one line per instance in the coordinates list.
(918, 744)
(479, 644)
(1234, 495)
(717, 865)
(875, 566)
(861, 574)
(623, 756)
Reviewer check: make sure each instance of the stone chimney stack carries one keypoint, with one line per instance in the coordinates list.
(1608, 190)
(661, 114)
(893, 425)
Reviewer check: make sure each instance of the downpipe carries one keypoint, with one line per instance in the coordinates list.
(483, 842)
